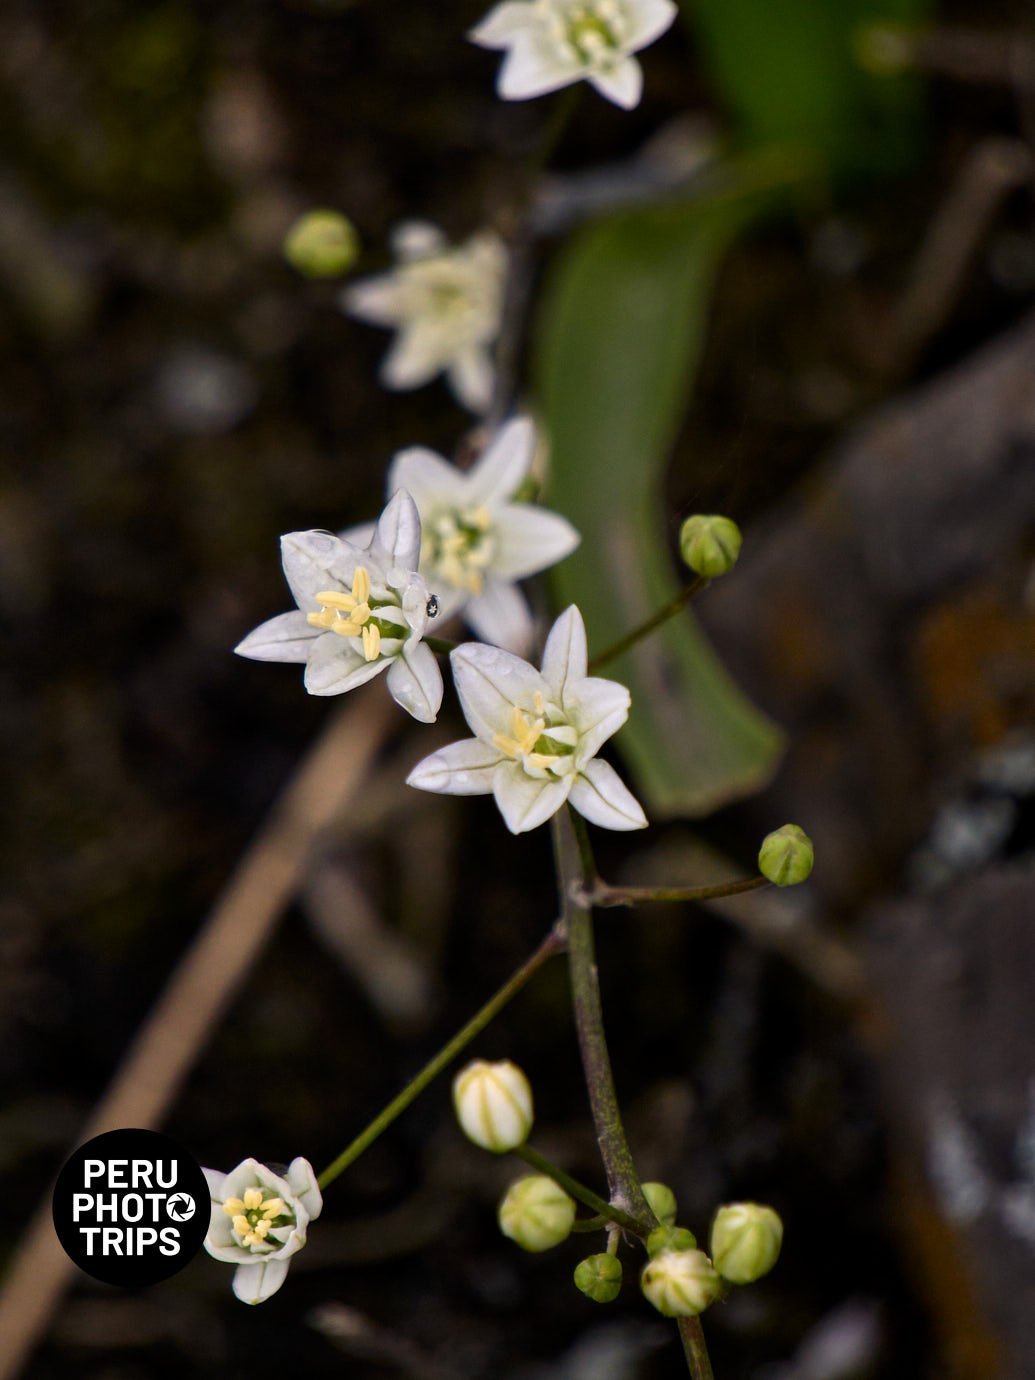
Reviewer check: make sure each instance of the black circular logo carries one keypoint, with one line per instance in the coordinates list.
(131, 1207)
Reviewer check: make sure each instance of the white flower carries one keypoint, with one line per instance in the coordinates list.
(259, 1221)
(360, 612)
(445, 304)
(552, 43)
(477, 540)
(538, 734)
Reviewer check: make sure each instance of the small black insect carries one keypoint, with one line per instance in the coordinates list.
(432, 606)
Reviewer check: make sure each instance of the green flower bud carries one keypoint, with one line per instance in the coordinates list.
(599, 1277)
(680, 1284)
(536, 1213)
(710, 545)
(493, 1103)
(322, 244)
(786, 856)
(662, 1202)
(746, 1240)
(670, 1239)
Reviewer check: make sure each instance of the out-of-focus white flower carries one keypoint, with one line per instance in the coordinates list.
(477, 540)
(537, 734)
(552, 43)
(445, 304)
(259, 1220)
(360, 611)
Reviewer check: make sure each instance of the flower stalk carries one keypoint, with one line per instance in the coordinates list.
(648, 626)
(553, 944)
(601, 893)
(605, 1211)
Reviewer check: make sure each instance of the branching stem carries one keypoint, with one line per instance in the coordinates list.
(601, 893)
(663, 614)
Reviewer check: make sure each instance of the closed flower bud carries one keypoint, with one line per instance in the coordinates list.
(662, 1202)
(670, 1239)
(746, 1240)
(599, 1277)
(536, 1213)
(786, 856)
(710, 545)
(322, 244)
(493, 1104)
(680, 1284)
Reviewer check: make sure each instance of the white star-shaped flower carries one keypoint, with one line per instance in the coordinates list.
(445, 304)
(552, 43)
(537, 734)
(477, 540)
(360, 611)
(259, 1220)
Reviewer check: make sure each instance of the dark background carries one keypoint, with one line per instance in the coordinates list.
(174, 396)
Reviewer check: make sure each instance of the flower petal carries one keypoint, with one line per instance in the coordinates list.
(503, 465)
(464, 768)
(603, 798)
(534, 67)
(501, 24)
(398, 532)
(288, 637)
(490, 682)
(417, 239)
(530, 539)
(622, 83)
(253, 1283)
(648, 20)
(311, 563)
(377, 300)
(335, 666)
(565, 655)
(417, 355)
(432, 481)
(472, 379)
(215, 1179)
(525, 801)
(302, 1181)
(500, 615)
(598, 708)
(415, 682)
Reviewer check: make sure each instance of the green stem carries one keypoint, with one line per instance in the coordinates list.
(602, 894)
(654, 621)
(695, 1348)
(578, 1190)
(553, 943)
(574, 864)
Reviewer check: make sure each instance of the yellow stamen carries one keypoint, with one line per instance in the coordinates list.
(233, 1206)
(361, 584)
(335, 599)
(371, 642)
(241, 1224)
(253, 1197)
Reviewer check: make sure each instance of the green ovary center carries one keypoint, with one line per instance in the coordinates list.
(254, 1215)
(461, 545)
(593, 30)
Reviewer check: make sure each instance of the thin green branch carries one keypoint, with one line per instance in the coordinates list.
(442, 645)
(601, 893)
(553, 944)
(695, 1348)
(605, 1211)
(654, 621)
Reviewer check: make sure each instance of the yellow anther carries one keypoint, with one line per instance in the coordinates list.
(360, 584)
(542, 760)
(371, 642)
(253, 1198)
(233, 1206)
(273, 1207)
(347, 627)
(336, 599)
(242, 1225)
(261, 1229)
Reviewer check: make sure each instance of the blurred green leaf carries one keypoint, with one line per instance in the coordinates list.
(618, 340)
(788, 72)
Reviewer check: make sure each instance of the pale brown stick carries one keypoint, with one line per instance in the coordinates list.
(199, 990)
